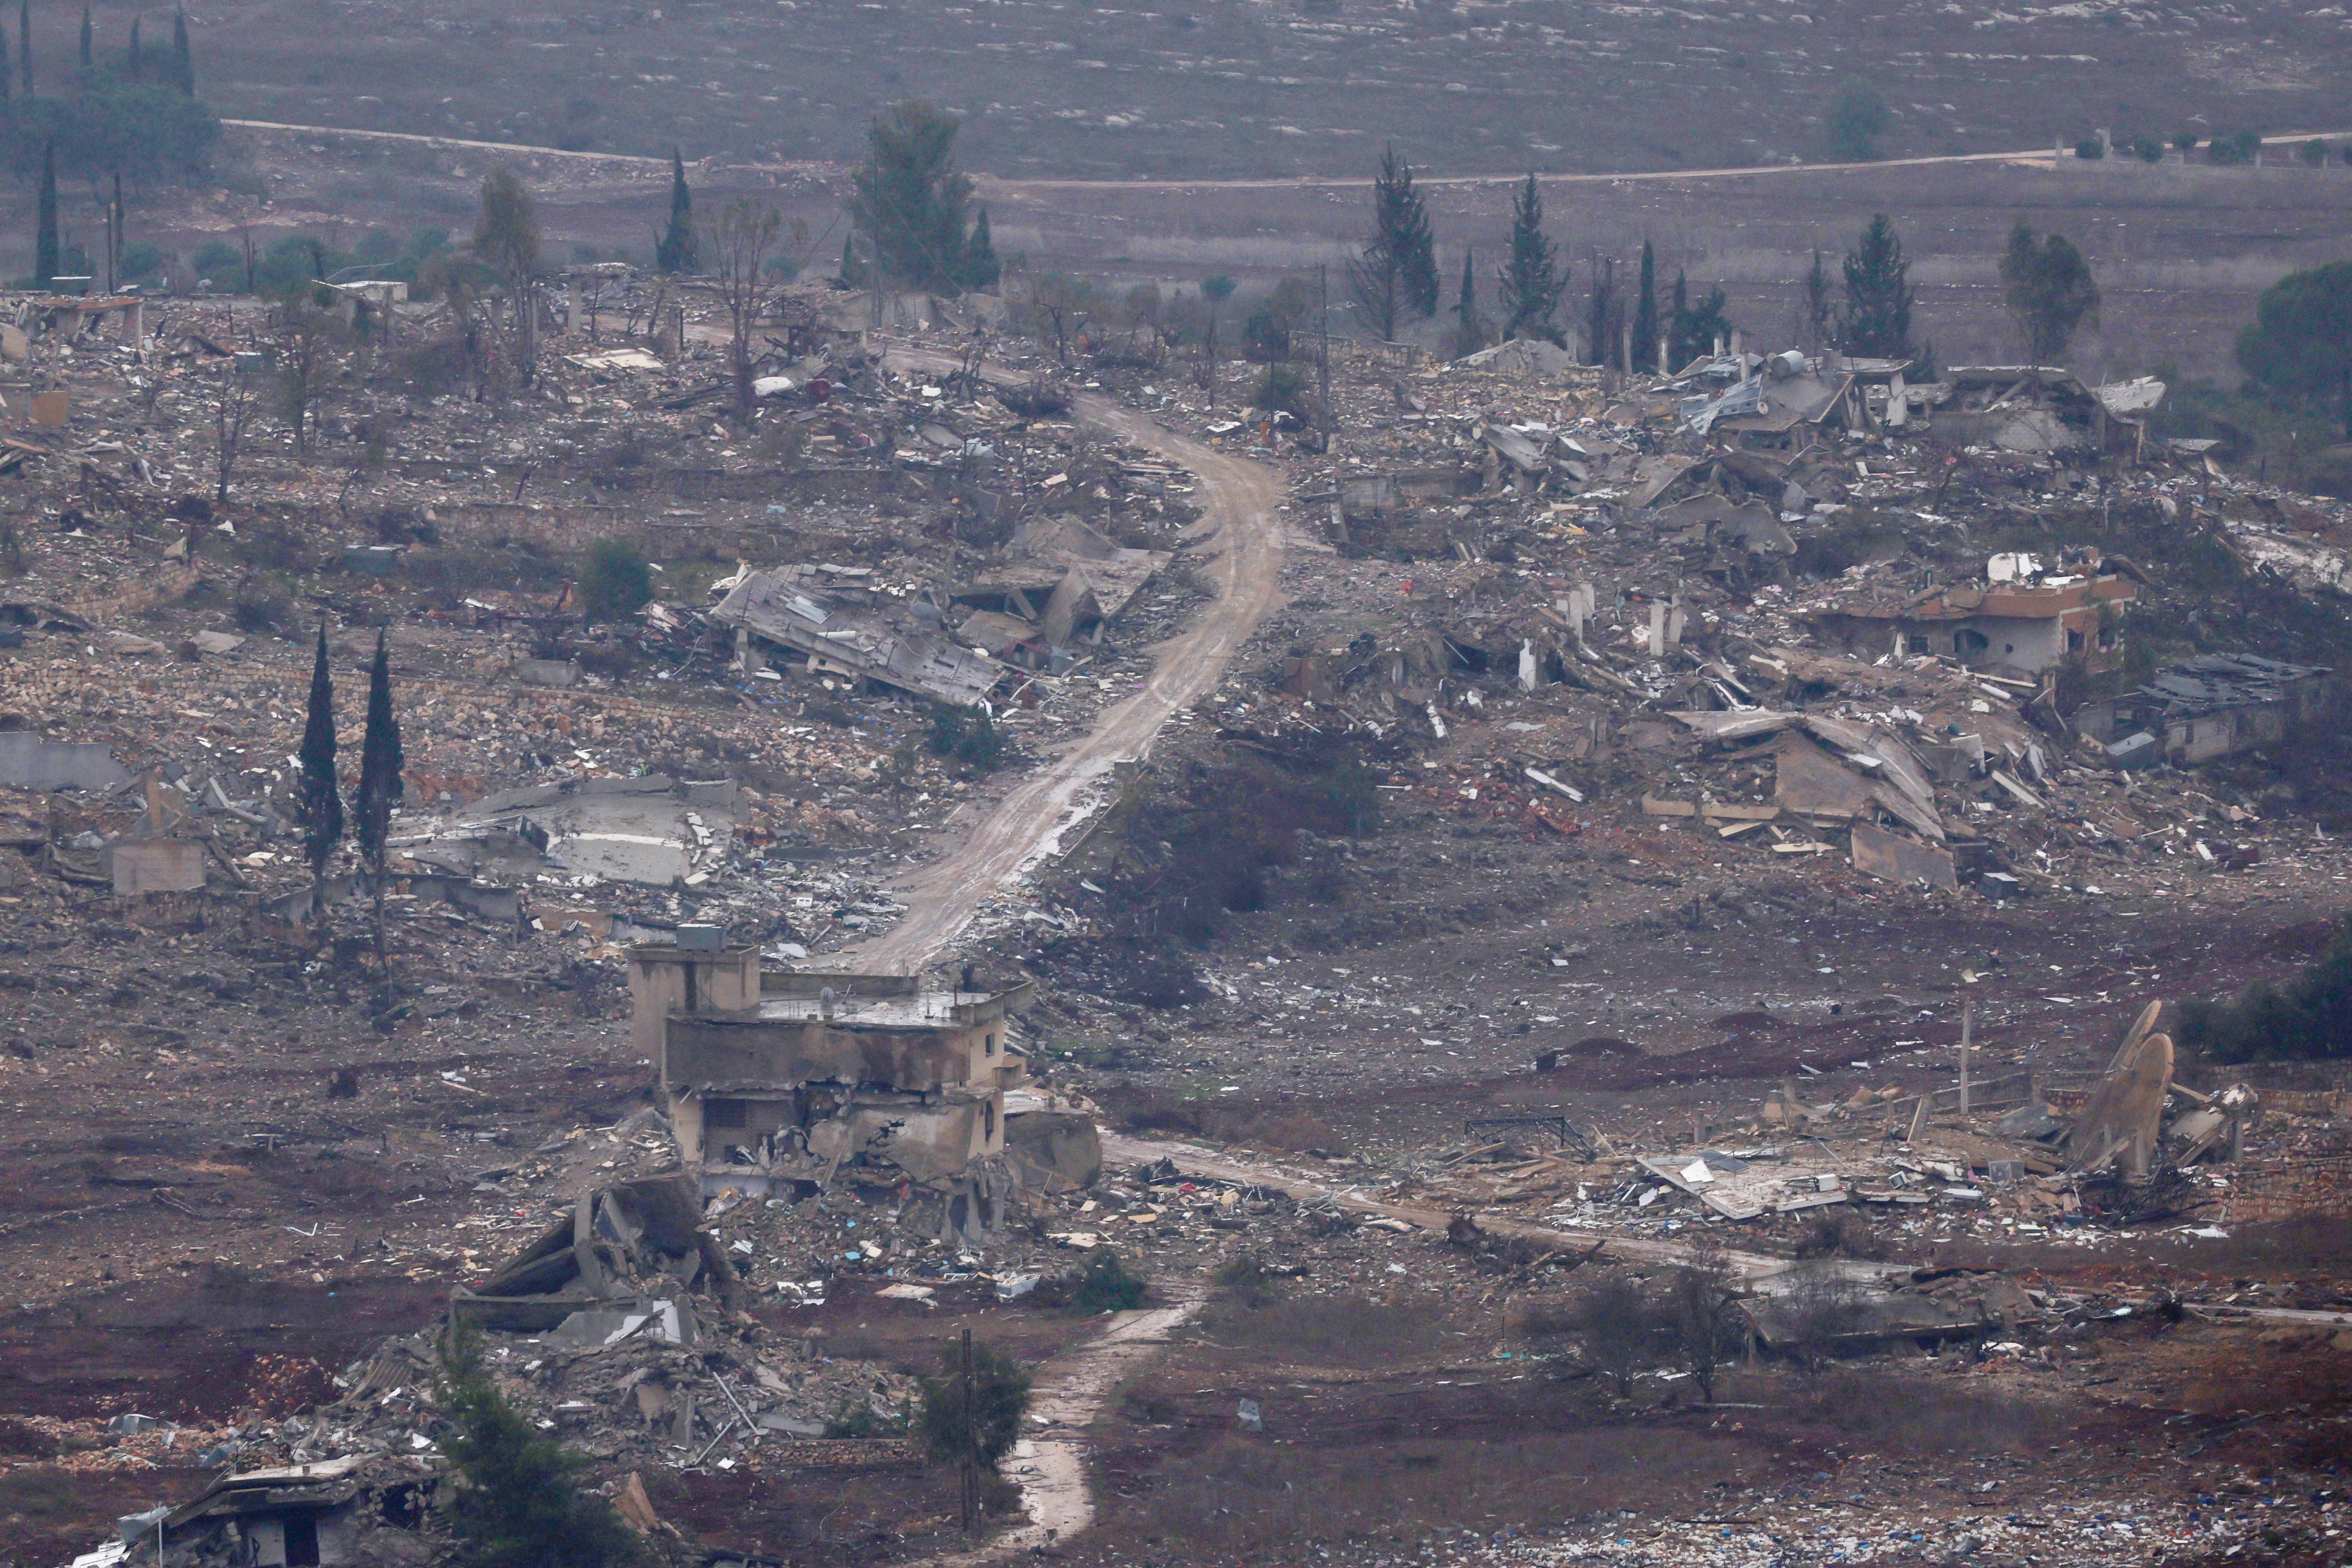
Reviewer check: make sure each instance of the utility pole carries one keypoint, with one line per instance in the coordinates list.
(1323, 351)
(970, 1446)
(1968, 1021)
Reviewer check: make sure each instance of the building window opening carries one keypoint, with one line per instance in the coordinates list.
(1964, 643)
(727, 1113)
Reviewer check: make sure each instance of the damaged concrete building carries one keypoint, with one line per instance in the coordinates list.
(1061, 585)
(2023, 621)
(356, 1509)
(781, 1080)
(904, 646)
(2209, 706)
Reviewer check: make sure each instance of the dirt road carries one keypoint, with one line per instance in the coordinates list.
(992, 185)
(1239, 526)
(1069, 1392)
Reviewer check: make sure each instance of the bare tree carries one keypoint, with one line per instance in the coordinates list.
(734, 246)
(506, 240)
(1616, 1325)
(311, 341)
(1702, 1303)
(1819, 1310)
(241, 394)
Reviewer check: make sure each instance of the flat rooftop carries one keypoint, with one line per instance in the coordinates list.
(910, 1010)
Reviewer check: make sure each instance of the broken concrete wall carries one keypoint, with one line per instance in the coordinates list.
(803, 1050)
(30, 760)
(156, 865)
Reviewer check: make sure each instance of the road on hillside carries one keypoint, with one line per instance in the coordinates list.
(992, 184)
(994, 841)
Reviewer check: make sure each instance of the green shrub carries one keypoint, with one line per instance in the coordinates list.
(858, 1418)
(2307, 1017)
(2090, 147)
(1247, 1280)
(1103, 1283)
(967, 734)
(2186, 140)
(2312, 152)
(614, 581)
(1282, 389)
(2148, 149)
(2239, 147)
(987, 1424)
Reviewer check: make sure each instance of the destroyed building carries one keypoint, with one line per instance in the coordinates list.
(1061, 586)
(779, 1080)
(903, 647)
(2021, 621)
(2214, 706)
(296, 1516)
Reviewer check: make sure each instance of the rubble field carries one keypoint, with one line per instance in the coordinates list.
(1772, 825)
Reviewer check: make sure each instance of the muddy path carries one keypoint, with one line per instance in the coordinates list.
(1242, 537)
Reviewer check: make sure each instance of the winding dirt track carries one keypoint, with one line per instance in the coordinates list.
(1069, 1392)
(1003, 837)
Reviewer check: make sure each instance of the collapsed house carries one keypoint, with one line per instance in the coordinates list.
(2023, 620)
(786, 1081)
(2209, 706)
(296, 1516)
(656, 831)
(629, 1258)
(1061, 585)
(904, 647)
(2044, 409)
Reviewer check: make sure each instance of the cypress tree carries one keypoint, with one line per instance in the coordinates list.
(87, 63)
(980, 267)
(676, 250)
(7, 77)
(1646, 313)
(45, 232)
(183, 63)
(134, 60)
(853, 266)
(1602, 310)
(322, 802)
(380, 770)
(1470, 330)
(25, 43)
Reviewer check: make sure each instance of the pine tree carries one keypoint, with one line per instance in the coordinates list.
(676, 251)
(980, 267)
(1533, 280)
(379, 785)
(2048, 289)
(1645, 314)
(523, 1504)
(909, 198)
(135, 57)
(322, 802)
(1678, 318)
(1469, 326)
(44, 232)
(87, 63)
(184, 63)
(1698, 327)
(1878, 296)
